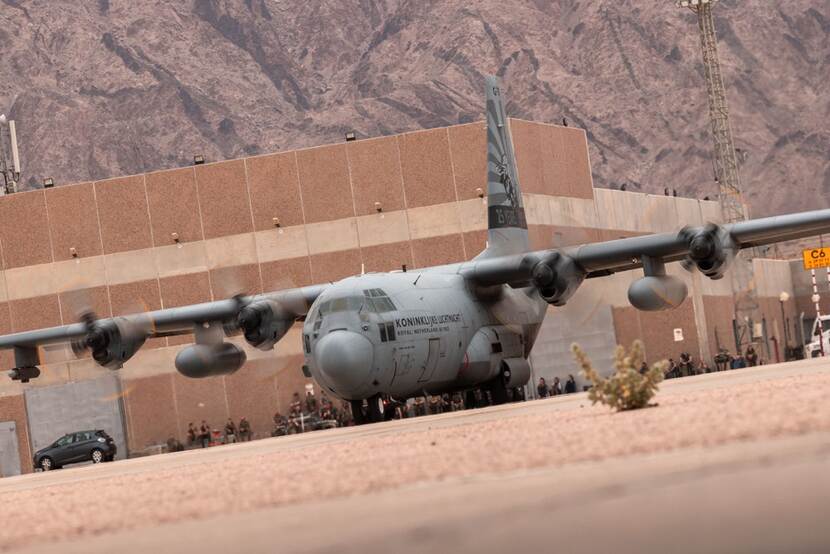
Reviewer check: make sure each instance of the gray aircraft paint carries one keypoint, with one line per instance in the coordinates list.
(436, 305)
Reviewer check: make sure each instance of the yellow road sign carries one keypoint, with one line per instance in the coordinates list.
(815, 258)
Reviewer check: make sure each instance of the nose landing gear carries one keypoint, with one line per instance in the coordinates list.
(373, 412)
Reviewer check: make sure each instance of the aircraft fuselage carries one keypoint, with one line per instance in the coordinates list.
(410, 333)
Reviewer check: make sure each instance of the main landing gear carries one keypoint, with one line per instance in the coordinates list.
(498, 387)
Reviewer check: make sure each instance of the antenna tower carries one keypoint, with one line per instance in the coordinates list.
(732, 205)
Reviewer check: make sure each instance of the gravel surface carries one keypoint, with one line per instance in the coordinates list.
(252, 476)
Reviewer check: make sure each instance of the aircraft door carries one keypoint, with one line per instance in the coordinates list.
(432, 360)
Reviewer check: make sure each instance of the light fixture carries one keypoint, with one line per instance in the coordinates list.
(480, 192)
(350, 136)
(48, 183)
(378, 207)
(784, 296)
(175, 237)
(198, 159)
(276, 221)
(73, 252)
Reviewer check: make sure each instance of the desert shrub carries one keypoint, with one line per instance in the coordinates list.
(626, 388)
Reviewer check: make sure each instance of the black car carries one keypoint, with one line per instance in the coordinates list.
(96, 446)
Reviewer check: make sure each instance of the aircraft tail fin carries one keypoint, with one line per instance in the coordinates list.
(506, 223)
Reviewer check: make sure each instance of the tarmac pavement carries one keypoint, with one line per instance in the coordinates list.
(730, 462)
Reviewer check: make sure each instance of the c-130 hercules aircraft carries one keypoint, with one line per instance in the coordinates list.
(441, 329)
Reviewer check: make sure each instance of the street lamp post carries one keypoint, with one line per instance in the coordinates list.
(783, 297)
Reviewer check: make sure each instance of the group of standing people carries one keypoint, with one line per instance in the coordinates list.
(555, 389)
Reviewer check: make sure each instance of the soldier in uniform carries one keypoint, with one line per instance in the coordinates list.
(230, 431)
(420, 406)
(723, 360)
(751, 356)
(191, 434)
(204, 434)
(280, 425)
(295, 409)
(446, 405)
(310, 403)
(346, 418)
(244, 430)
(570, 385)
(542, 388)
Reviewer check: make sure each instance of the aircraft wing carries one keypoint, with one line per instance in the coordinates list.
(710, 249)
(262, 319)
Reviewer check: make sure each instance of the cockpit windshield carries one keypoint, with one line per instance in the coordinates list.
(378, 301)
(372, 301)
(345, 304)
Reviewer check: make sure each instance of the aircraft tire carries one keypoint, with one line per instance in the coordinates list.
(375, 412)
(498, 392)
(470, 400)
(357, 412)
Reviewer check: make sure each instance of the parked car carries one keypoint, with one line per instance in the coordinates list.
(95, 446)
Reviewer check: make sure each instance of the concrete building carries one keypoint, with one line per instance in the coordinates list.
(199, 233)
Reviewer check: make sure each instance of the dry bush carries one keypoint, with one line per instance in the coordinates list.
(627, 388)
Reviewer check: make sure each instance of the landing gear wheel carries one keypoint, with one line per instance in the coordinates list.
(97, 456)
(470, 400)
(357, 412)
(498, 392)
(375, 412)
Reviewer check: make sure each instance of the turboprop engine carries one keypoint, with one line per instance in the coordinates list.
(114, 341)
(557, 277)
(711, 250)
(264, 322)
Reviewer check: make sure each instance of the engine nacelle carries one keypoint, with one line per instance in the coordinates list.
(557, 277)
(515, 372)
(657, 292)
(114, 341)
(711, 250)
(264, 322)
(207, 360)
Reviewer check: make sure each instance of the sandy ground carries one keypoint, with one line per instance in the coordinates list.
(751, 444)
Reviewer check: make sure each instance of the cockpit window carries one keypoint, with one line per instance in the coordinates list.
(348, 303)
(377, 301)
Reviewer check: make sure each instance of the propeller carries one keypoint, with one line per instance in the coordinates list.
(702, 244)
(710, 249)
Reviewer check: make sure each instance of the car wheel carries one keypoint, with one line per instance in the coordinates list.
(46, 463)
(97, 456)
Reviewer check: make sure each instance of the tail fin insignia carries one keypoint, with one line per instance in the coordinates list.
(507, 226)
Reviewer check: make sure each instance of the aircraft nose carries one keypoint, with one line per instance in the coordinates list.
(345, 359)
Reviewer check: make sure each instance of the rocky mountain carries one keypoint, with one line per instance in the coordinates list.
(104, 88)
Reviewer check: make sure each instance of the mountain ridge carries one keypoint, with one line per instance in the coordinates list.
(102, 89)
